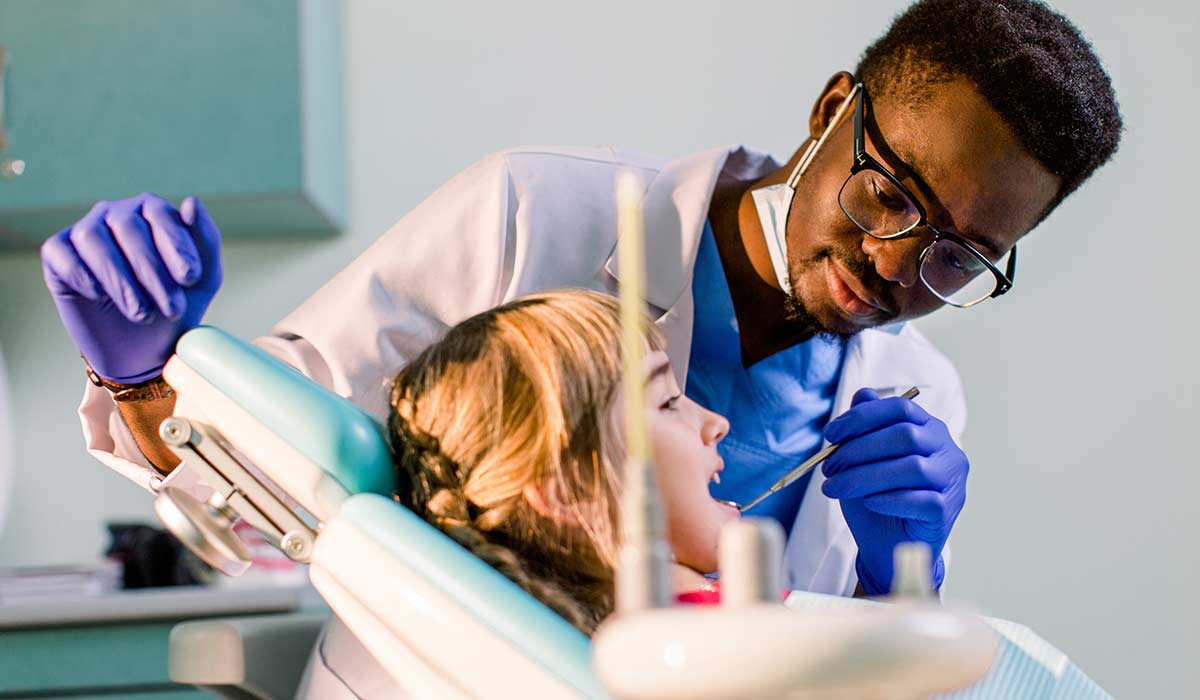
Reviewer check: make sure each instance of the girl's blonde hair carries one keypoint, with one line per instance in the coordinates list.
(519, 395)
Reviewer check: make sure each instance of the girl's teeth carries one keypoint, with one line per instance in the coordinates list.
(716, 477)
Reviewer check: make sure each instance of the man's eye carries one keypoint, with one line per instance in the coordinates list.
(960, 261)
(888, 197)
(955, 261)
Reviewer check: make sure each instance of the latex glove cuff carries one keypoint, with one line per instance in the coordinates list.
(148, 390)
(872, 587)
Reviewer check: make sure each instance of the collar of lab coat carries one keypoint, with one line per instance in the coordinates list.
(676, 208)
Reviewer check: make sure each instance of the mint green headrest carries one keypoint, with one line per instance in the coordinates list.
(338, 436)
(507, 609)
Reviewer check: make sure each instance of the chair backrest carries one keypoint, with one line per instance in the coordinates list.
(332, 434)
(372, 548)
(431, 599)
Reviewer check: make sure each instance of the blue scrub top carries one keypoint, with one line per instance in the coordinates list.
(777, 407)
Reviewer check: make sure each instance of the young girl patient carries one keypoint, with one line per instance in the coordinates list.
(508, 438)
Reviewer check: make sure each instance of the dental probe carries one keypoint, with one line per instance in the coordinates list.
(809, 464)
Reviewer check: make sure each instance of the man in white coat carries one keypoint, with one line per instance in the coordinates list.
(782, 288)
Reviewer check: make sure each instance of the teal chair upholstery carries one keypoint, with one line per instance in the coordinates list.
(338, 436)
(349, 445)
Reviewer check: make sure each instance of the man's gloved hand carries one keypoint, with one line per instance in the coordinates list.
(130, 278)
(900, 478)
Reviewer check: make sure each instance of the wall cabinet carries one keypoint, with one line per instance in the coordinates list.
(238, 102)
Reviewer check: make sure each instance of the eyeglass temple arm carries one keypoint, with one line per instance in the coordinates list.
(811, 152)
(859, 109)
(1010, 273)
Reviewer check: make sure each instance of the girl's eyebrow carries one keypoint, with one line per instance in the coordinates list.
(659, 370)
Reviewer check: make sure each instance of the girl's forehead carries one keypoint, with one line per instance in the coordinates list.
(656, 365)
(654, 358)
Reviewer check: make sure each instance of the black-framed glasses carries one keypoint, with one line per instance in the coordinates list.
(881, 206)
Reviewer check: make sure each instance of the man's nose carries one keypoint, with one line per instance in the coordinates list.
(896, 260)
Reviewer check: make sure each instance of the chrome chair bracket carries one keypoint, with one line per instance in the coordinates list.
(238, 494)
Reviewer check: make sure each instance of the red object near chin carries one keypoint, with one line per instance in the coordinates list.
(709, 595)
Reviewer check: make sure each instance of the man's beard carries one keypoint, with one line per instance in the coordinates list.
(808, 324)
(800, 315)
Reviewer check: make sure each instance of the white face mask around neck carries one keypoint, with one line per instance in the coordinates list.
(774, 202)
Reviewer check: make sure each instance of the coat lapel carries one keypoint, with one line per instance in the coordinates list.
(676, 209)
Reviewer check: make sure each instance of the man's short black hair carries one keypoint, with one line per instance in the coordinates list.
(1030, 64)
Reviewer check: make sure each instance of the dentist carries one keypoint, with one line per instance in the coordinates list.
(783, 288)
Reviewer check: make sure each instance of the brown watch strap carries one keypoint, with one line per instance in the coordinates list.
(149, 390)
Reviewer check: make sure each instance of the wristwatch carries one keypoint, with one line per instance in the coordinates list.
(149, 390)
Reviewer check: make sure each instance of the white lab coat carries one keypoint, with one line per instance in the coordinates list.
(531, 219)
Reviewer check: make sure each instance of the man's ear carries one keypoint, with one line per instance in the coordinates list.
(548, 508)
(835, 93)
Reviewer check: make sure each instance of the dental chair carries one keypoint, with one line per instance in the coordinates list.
(312, 473)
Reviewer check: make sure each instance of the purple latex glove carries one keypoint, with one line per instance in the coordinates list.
(900, 478)
(130, 278)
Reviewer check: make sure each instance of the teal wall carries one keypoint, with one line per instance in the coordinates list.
(236, 102)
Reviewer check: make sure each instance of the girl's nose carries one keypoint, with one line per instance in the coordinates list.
(714, 427)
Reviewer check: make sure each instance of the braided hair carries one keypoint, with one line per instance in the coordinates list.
(520, 397)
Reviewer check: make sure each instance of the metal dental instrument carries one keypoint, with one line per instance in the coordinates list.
(808, 464)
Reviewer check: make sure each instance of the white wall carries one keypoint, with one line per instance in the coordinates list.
(1081, 381)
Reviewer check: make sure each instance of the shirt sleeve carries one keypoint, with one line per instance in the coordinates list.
(110, 440)
(514, 222)
(446, 260)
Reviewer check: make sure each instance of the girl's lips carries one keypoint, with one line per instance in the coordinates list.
(713, 475)
(714, 478)
(729, 506)
(844, 296)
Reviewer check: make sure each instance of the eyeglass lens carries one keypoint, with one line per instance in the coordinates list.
(955, 274)
(879, 208)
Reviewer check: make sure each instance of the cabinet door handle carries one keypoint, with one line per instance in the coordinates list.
(3, 72)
